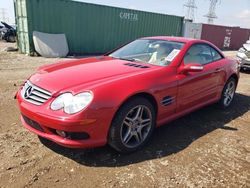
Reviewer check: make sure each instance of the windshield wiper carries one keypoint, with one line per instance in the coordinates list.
(122, 58)
(131, 59)
(128, 59)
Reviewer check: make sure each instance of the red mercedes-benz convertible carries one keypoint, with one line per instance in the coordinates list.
(119, 98)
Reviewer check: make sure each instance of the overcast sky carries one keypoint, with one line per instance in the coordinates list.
(229, 12)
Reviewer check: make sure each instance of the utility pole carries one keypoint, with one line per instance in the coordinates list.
(191, 6)
(211, 15)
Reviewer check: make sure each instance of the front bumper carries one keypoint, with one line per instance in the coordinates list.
(43, 124)
(64, 141)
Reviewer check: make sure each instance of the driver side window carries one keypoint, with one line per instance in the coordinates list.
(198, 53)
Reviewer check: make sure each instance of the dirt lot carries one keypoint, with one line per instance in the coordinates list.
(208, 148)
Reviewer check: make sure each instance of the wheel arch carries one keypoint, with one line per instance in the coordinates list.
(145, 95)
(149, 97)
(235, 76)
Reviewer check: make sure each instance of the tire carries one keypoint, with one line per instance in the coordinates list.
(132, 125)
(228, 93)
(11, 38)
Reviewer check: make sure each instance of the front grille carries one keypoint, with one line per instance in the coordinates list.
(34, 94)
(32, 123)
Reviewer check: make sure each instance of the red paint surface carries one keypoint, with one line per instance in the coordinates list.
(112, 83)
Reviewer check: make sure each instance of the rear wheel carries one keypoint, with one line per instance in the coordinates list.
(228, 93)
(11, 38)
(132, 126)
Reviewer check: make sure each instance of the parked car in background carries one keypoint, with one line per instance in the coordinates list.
(119, 98)
(243, 55)
(9, 33)
(3, 30)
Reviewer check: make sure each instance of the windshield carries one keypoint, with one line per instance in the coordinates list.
(157, 52)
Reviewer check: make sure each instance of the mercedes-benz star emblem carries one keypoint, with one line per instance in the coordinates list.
(28, 92)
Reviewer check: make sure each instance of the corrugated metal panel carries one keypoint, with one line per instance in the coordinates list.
(226, 38)
(22, 26)
(192, 30)
(218, 35)
(94, 28)
(239, 37)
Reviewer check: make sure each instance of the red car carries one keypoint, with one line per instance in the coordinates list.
(119, 98)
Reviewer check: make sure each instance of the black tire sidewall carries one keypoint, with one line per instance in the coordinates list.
(11, 38)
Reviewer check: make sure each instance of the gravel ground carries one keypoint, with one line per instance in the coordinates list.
(208, 148)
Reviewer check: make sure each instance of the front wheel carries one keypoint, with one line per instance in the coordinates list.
(132, 126)
(228, 93)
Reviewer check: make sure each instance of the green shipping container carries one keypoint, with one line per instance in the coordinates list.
(89, 28)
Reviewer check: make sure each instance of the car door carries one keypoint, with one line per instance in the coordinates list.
(198, 88)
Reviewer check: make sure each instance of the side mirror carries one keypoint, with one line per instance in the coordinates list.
(192, 67)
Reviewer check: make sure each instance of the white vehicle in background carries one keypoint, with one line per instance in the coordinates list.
(243, 56)
(3, 30)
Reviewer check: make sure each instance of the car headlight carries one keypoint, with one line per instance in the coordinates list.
(242, 50)
(241, 55)
(72, 103)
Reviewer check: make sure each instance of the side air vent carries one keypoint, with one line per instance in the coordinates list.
(136, 65)
(167, 100)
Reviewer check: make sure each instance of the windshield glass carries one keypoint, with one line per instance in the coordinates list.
(157, 52)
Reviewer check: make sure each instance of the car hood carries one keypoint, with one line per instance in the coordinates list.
(247, 46)
(88, 72)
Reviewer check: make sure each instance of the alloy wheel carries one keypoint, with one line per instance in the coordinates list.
(136, 126)
(229, 93)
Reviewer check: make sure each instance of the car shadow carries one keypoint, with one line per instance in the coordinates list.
(166, 140)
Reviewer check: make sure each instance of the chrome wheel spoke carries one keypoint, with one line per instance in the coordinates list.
(139, 113)
(229, 93)
(231, 90)
(138, 136)
(231, 86)
(228, 99)
(127, 121)
(145, 125)
(145, 121)
(226, 92)
(127, 137)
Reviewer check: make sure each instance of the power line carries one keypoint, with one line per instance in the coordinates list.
(191, 6)
(211, 15)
